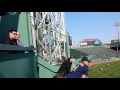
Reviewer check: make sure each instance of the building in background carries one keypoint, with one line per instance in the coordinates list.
(90, 42)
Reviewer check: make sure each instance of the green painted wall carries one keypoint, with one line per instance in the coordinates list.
(19, 22)
(6, 23)
(46, 70)
(23, 28)
(77, 53)
(22, 65)
(18, 66)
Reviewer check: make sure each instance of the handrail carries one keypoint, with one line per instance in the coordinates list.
(15, 48)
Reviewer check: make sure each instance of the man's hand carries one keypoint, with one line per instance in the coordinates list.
(81, 64)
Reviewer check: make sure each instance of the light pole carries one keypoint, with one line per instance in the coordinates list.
(117, 24)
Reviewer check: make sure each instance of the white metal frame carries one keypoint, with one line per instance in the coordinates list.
(49, 38)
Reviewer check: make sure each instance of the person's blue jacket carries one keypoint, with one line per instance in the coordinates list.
(78, 72)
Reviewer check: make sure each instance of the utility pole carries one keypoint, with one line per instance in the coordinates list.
(117, 24)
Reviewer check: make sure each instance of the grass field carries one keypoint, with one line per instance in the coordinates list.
(106, 70)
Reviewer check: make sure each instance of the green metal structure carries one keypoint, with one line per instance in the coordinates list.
(46, 44)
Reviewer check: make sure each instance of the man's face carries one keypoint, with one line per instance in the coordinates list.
(86, 62)
(72, 59)
(13, 35)
(18, 35)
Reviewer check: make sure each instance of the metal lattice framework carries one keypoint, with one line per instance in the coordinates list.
(49, 36)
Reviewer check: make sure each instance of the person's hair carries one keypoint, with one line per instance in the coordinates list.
(11, 30)
(72, 56)
(59, 75)
(85, 59)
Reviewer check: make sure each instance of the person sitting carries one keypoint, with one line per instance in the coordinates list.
(66, 65)
(11, 39)
(80, 71)
(19, 43)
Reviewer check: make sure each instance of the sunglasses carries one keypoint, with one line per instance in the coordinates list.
(14, 33)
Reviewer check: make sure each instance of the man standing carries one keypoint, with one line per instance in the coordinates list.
(66, 65)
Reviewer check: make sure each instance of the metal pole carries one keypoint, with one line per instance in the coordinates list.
(33, 30)
(118, 33)
(49, 40)
(67, 46)
(117, 24)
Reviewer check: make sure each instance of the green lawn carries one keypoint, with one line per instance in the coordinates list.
(111, 71)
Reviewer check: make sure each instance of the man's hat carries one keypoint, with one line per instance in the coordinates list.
(85, 59)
